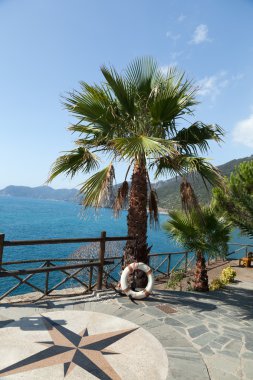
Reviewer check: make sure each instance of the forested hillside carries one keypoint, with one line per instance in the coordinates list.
(168, 191)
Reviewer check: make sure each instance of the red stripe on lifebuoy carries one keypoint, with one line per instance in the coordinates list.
(135, 265)
(130, 268)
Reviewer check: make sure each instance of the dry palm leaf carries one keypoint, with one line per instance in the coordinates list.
(188, 197)
(121, 198)
(153, 208)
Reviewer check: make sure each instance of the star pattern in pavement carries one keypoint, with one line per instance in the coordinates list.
(71, 349)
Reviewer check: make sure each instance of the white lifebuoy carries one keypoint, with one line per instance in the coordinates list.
(124, 283)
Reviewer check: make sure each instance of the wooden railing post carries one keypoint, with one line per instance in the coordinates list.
(90, 278)
(1, 248)
(101, 259)
(168, 267)
(186, 262)
(47, 278)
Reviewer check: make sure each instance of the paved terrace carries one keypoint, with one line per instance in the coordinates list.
(203, 336)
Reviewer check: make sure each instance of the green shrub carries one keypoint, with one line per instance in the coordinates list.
(227, 275)
(175, 279)
(216, 284)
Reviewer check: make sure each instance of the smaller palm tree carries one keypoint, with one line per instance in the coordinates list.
(202, 232)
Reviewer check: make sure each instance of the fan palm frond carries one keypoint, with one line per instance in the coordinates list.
(183, 165)
(122, 89)
(143, 146)
(94, 106)
(142, 72)
(196, 137)
(80, 159)
(208, 233)
(97, 188)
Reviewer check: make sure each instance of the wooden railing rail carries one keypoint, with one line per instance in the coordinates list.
(7, 243)
(71, 266)
(47, 268)
(244, 245)
(168, 253)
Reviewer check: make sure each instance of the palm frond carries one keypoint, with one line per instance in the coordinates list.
(121, 198)
(172, 98)
(143, 146)
(141, 73)
(209, 173)
(80, 159)
(184, 165)
(88, 130)
(188, 197)
(153, 208)
(122, 89)
(181, 228)
(197, 136)
(209, 234)
(93, 105)
(96, 189)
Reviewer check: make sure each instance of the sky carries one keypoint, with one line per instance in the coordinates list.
(48, 47)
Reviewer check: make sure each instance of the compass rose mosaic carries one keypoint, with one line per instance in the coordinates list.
(79, 345)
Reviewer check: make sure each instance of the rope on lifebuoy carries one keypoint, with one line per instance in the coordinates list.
(124, 283)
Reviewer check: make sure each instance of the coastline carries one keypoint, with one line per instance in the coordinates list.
(162, 211)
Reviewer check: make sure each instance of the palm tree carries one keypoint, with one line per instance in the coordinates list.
(134, 117)
(203, 233)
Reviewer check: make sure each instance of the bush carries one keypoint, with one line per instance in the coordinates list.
(228, 275)
(175, 279)
(216, 284)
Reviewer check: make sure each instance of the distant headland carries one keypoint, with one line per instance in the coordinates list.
(167, 190)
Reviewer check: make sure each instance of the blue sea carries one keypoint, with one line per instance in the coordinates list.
(27, 219)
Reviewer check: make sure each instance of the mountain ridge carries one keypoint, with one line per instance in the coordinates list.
(167, 190)
(40, 192)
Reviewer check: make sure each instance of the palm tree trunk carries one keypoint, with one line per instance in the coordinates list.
(201, 278)
(137, 220)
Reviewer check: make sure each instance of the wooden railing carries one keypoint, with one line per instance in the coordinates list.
(242, 249)
(71, 268)
(107, 269)
(162, 264)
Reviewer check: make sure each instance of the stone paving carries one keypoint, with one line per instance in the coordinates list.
(206, 336)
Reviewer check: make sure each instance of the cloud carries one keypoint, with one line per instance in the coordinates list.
(176, 54)
(200, 35)
(243, 132)
(237, 77)
(181, 18)
(213, 85)
(172, 36)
